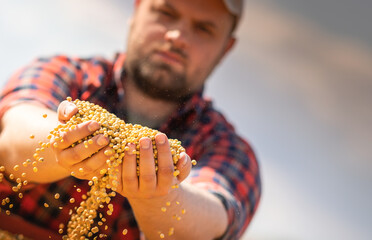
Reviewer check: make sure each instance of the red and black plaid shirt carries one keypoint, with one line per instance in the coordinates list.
(226, 163)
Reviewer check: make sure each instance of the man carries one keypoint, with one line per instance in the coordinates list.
(173, 46)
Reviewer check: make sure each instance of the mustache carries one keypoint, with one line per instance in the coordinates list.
(176, 50)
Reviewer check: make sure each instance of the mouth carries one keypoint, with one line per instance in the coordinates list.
(169, 57)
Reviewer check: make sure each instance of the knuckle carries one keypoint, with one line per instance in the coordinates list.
(165, 170)
(74, 155)
(87, 169)
(147, 178)
(129, 179)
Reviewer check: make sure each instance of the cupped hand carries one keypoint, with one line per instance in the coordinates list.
(83, 160)
(151, 183)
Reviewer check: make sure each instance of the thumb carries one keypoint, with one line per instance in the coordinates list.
(66, 110)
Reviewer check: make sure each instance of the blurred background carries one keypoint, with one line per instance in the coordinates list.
(298, 86)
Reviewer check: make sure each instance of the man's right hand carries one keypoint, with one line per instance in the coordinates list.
(84, 161)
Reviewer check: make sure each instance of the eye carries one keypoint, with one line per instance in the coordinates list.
(166, 13)
(163, 12)
(203, 29)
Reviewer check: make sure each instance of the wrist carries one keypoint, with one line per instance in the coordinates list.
(157, 201)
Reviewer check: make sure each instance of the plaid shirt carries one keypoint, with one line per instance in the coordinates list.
(226, 165)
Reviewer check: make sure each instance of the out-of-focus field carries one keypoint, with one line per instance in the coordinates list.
(298, 85)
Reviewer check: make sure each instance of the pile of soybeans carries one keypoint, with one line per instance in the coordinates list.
(82, 222)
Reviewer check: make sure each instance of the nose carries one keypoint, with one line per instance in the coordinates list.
(177, 37)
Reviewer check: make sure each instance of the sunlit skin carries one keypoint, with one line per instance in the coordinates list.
(185, 37)
(201, 33)
(77, 159)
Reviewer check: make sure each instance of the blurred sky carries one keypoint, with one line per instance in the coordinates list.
(298, 86)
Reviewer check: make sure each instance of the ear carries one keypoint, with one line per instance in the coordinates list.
(229, 45)
(227, 48)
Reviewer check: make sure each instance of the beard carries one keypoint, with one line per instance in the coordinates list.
(158, 80)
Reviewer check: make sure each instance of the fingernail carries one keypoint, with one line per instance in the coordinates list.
(102, 140)
(184, 157)
(145, 143)
(161, 139)
(93, 126)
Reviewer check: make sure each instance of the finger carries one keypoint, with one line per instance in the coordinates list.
(66, 110)
(184, 166)
(119, 179)
(147, 178)
(81, 131)
(78, 153)
(129, 170)
(92, 166)
(165, 163)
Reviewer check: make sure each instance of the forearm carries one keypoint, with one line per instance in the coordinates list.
(16, 145)
(192, 214)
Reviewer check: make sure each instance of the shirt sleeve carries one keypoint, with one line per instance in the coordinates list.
(46, 81)
(227, 167)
